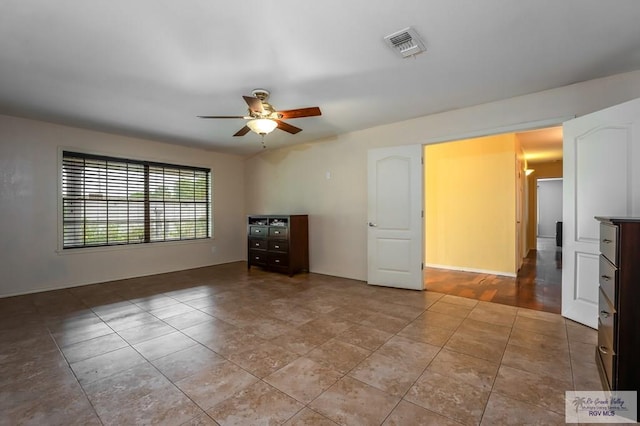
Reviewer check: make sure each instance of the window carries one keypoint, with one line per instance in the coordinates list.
(113, 201)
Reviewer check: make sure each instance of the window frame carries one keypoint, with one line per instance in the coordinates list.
(148, 167)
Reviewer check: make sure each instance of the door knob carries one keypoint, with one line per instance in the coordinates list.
(373, 225)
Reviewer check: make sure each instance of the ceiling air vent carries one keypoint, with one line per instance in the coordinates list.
(405, 42)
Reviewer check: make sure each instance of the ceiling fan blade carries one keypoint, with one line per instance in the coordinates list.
(300, 112)
(255, 104)
(288, 127)
(221, 116)
(242, 131)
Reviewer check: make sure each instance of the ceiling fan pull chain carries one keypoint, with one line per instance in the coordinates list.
(263, 145)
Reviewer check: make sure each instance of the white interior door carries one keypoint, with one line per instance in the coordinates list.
(601, 178)
(520, 226)
(395, 230)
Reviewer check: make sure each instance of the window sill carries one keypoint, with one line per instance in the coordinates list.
(125, 247)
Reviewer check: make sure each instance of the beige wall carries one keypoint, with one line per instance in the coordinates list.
(288, 180)
(293, 180)
(543, 170)
(470, 204)
(29, 175)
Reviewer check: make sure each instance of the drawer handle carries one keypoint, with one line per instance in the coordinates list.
(605, 314)
(607, 241)
(257, 244)
(276, 232)
(257, 258)
(603, 349)
(277, 246)
(257, 231)
(605, 277)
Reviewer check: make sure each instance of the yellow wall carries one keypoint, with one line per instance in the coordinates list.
(552, 169)
(470, 204)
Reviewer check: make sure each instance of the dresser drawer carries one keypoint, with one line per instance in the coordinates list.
(607, 317)
(609, 241)
(619, 277)
(258, 231)
(257, 257)
(608, 278)
(608, 359)
(276, 259)
(277, 245)
(275, 232)
(257, 244)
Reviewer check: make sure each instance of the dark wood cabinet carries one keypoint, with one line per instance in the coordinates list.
(618, 348)
(278, 242)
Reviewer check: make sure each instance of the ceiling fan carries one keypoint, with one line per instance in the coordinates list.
(264, 118)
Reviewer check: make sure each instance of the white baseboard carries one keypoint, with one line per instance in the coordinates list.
(477, 271)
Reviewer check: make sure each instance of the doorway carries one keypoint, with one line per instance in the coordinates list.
(535, 280)
(549, 207)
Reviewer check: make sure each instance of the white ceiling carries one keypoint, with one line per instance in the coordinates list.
(541, 145)
(148, 67)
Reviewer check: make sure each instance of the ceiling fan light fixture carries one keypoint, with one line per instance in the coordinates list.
(262, 126)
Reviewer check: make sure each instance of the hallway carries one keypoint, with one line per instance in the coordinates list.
(537, 286)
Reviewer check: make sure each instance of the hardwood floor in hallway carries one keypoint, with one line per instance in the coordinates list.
(537, 286)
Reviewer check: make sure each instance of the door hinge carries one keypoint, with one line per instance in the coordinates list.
(422, 266)
(422, 213)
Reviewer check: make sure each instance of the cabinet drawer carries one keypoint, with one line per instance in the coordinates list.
(277, 245)
(608, 359)
(607, 317)
(609, 241)
(257, 257)
(258, 231)
(255, 243)
(276, 259)
(608, 278)
(275, 232)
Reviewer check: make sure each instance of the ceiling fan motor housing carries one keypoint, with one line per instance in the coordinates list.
(262, 111)
(261, 94)
(268, 111)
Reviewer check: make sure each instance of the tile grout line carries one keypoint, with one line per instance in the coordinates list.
(76, 378)
(493, 383)
(276, 295)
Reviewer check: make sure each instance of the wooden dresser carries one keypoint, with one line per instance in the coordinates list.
(618, 351)
(278, 242)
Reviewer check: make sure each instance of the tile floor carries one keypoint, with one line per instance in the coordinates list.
(221, 345)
